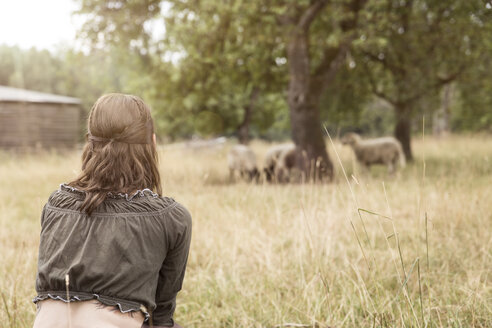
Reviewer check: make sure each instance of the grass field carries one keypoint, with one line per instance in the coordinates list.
(417, 253)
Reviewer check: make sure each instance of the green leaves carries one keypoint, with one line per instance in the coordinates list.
(210, 55)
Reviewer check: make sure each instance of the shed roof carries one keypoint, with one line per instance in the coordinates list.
(8, 94)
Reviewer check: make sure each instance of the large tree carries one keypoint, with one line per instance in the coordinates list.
(318, 36)
(412, 48)
(228, 62)
(212, 69)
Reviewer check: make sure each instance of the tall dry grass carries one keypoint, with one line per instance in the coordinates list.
(374, 251)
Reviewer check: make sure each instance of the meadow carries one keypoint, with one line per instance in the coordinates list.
(368, 250)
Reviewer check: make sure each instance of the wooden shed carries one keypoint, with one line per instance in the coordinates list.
(34, 119)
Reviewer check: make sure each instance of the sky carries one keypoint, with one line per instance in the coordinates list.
(43, 24)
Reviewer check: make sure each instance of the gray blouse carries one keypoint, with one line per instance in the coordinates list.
(130, 253)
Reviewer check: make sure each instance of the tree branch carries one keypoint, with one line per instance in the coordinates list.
(310, 14)
(333, 58)
(384, 62)
(450, 78)
(353, 7)
(441, 81)
(288, 18)
(374, 87)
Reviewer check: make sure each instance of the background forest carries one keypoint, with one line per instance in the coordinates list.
(223, 67)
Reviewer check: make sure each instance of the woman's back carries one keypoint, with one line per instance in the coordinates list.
(109, 234)
(115, 255)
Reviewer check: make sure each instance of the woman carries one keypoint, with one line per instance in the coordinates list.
(112, 251)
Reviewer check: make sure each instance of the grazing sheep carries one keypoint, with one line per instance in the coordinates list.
(386, 151)
(243, 160)
(272, 157)
(285, 165)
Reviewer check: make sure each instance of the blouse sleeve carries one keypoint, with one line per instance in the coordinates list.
(173, 268)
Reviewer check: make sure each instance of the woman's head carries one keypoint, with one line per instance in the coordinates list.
(120, 154)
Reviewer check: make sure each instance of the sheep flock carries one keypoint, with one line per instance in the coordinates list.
(279, 162)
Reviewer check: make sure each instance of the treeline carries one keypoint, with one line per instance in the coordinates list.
(67, 72)
(280, 68)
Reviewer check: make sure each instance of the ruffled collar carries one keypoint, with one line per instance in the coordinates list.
(114, 195)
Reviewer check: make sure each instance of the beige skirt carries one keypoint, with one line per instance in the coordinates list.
(84, 314)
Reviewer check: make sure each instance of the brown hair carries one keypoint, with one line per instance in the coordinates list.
(120, 155)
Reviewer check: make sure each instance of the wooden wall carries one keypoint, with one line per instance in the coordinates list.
(39, 125)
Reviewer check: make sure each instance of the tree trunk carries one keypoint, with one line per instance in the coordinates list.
(243, 130)
(403, 129)
(311, 156)
(307, 84)
(307, 135)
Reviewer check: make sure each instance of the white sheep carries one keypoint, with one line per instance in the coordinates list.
(243, 160)
(386, 151)
(272, 157)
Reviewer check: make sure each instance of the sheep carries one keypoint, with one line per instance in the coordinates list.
(243, 160)
(286, 165)
(272, 157)
(386, 150)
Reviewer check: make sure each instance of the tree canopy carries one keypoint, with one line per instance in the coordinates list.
(211, 68)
